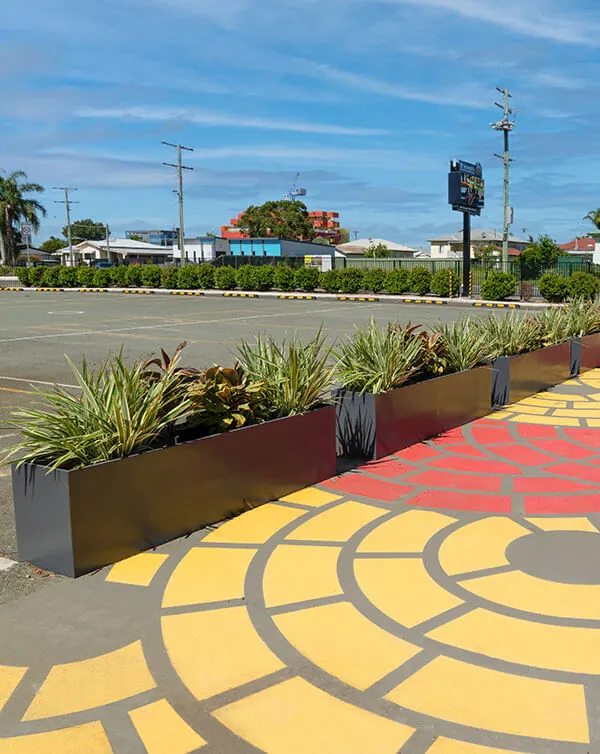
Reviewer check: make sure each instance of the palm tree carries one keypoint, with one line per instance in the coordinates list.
(17, 207)
(594, 216)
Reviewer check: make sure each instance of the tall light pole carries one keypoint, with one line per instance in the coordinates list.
(506, 126)
(180, 169)
(67, 202)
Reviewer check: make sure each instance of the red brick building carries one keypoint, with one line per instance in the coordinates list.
(580, 246)
(325, 224)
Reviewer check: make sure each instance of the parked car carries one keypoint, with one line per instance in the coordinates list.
(103, 264)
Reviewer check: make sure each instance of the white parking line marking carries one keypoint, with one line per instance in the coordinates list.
(170, 324)
(38, 382)
(6, 563)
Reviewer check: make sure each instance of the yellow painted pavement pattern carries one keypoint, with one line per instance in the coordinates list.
(312, 497)
(566, 648)
(407, 532)
(480, 544)
(138, 570)
(524, 592)
(564, 523)
(339, 639)
(216, 650)
(295, 573)
(338, 524)
(255, 526)
(295, 717)
(208, 574)
(80, 739)
(402, 589)
(163, 730)
(10, 677)
(444, 745)
(91, 683)
(481, 698)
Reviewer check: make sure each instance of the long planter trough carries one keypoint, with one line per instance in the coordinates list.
(589, 352)
(73, 522)
(374, 426)
(518, 377)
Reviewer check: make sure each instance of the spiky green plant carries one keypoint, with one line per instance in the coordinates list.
(465, 344)
(295, 378)
(583, 317)
(115, 413)
(378, 359)
(555, 326)
(511, 334)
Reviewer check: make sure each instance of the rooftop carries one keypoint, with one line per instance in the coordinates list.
(360, 245)
(478, 234)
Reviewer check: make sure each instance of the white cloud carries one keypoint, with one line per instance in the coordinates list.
(533, 19)
(560, 81)
(466, 96)
(208, 118)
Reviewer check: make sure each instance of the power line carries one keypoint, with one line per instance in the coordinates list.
(67, 202)
(179, 190)
(505, 125)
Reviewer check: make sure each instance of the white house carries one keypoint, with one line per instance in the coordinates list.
(450, 246)
(361, 246)
(118, 251)
(202, 249)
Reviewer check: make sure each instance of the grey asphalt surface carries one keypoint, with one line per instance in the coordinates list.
(38, 329)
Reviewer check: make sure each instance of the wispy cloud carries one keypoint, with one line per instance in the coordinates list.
(466, 96)
(208, 118)
(532, 19)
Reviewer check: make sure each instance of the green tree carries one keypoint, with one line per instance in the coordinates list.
(344, 235)
(542, 254)
(594, 217)
(280, 219)
(486, 255)
(17, 207)
(321, 241)
(134, 237)
(53, 244)
(378, 251)
(86, 230)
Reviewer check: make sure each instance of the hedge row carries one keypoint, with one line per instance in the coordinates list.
(558, 288)
(247, 277)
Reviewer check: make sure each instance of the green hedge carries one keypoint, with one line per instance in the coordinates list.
(498, 286)
(584, 285)
(554, 287)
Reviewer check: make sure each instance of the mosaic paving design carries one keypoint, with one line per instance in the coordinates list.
(445, 600)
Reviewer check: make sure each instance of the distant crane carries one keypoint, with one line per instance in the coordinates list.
(294, 192)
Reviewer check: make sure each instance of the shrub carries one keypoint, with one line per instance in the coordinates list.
(117, 413)
(396, 281)
(50, 277)
(295, 378)
(205, 273)
(554, 287)
(419, 281)
(264, 277)
(102, 278)
(330, 281)
(440, 283)
(378, 359)
(35, 275)
(374, 280)
(246, 277)
(306, 279)
(151, 275)
(224, 278)
(118, 276)
(85, 276)
(170, 277)
(510, 334)
(284, 278)
(186, 277)
(67, 277)
(464, 344)
(497, 286)
(351, 280)
(134, 274)
(584, 285)
(24, 276)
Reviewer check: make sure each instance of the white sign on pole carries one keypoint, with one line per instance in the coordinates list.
(26, 229)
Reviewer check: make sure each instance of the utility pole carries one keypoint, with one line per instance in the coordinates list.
(180, 169)
(67, 202)
(107, 231)
(505, 125)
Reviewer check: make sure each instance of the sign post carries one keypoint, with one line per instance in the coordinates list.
(26, 234)
(466, 194)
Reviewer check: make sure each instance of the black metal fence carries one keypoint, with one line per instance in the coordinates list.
(231, 260)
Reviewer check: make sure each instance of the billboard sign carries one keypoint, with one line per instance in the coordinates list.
(466, 187)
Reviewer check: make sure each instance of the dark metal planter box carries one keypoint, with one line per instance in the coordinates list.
(374, 426)
(518, 377)
(73, 522)
(589, 352)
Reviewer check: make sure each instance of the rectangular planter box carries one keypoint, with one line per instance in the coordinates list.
(518, 377)
(590, 352)
(374, 426)
(77, 521)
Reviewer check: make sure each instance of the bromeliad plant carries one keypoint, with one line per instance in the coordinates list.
(115, 413)
(511, 334)
(464, 345)
(295, 378)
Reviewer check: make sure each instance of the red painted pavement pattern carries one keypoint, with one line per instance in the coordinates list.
(448, 480)
(565, 449)
(563, 504)
(550, 484)
(577, 471)
(477, 466)
(487, 435)
(419, 452)
(459, 501)
(389, 468)
(529, 431)
(355, 484)
(524, 455)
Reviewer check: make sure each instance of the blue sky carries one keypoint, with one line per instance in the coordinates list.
(368, 99)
